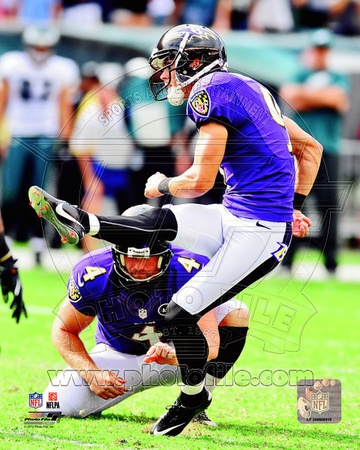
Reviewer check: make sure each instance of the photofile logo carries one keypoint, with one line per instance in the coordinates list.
(38, 417)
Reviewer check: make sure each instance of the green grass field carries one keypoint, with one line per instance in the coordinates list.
(293, 328)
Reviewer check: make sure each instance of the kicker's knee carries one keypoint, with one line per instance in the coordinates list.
(238, 317)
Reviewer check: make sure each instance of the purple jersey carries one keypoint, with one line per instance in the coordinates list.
(130, 320)
(258, 166)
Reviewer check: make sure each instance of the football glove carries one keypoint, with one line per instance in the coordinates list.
(11, 283)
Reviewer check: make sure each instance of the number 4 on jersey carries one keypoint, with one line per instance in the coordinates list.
(92, 272)
(189, 264)
(148, 333)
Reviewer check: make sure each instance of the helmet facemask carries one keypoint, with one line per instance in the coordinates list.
(189, 65)
(162, 251)
(141, 250)
(168, 60)
(161, 61)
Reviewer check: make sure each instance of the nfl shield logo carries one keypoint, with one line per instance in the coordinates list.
(142, 313)
(320, 402)
(35, 400)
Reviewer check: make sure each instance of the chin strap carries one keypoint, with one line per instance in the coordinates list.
(175, 96)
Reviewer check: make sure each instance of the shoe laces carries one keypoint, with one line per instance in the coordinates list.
(174, 406)
(202, 417)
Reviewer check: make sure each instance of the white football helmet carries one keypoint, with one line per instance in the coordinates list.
(40, 42)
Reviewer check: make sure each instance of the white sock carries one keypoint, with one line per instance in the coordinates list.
(192, 390)
(211, 382)
(94, 224)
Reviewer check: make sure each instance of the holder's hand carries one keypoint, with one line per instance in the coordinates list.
(300, 225)
(161, 353)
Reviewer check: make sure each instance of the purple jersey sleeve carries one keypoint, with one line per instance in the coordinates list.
(258, 165)
(89, 280)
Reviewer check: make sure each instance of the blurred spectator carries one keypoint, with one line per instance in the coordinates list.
(201, 12)
(84, 12)
(223, 14)
(38, 12)
(312, 14)
(5, 137)
(348, 21)
(184, 143)
(35, 101)
(134, 13)
(152, 126)
(319, 97)
(100, 142)
(161, 11)
(219, 14)
(271, 16)
(8, 9)
(240, 11)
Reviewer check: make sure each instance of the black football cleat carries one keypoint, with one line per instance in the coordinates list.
(204, 419)
(179, 416)
(63, 216)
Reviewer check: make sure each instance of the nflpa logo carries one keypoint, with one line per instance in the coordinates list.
(52, 396)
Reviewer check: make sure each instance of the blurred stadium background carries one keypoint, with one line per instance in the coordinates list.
(272, 58)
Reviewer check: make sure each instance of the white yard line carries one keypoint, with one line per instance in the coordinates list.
(4, 432)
